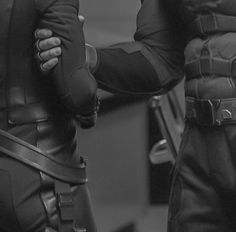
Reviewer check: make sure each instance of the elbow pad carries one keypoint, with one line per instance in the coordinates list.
(134, 68)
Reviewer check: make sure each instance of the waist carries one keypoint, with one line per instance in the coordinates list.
(56, 137)
(211, 112)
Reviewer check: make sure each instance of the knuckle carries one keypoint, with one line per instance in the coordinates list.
(48, 42)
(54, 61)
(51, 53)
(43, 33)
(57, 41)
(44, 56)
(58, 51)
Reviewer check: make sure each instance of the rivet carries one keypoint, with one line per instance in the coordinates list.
(226, 114)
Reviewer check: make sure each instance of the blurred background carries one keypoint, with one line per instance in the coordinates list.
(129, 193)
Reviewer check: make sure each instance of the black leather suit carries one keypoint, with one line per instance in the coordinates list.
(41, 111)
(198, 37)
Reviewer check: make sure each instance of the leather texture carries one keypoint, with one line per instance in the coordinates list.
(29, 203)
(196, 36)
(153, 62)
(167, 30)
(36, 158)
(42, 111)
(215, 41)
(32, 107)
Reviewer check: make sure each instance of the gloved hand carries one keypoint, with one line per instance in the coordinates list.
(48, 50)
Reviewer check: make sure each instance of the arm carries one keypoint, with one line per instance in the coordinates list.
(74, 83)
(152, 64)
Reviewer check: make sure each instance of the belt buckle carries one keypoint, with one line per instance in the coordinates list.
(208, 112)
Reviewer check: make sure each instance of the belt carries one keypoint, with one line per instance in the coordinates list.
(212, 23)
(214, 112)
(36, 158)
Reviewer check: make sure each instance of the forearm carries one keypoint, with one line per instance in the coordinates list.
(132, 68)
(75, 85)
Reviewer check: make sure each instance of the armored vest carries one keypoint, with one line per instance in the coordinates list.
(210, 49)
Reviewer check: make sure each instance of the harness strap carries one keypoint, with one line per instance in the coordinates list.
(212, 23)
(211, 112)
(36, 158)
(208, 66)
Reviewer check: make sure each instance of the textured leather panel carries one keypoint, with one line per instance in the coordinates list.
(211, 45)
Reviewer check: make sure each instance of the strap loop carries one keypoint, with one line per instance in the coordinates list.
(65, 199)
(36, 158)
(212, 23)
(66, 206)
(210, 66)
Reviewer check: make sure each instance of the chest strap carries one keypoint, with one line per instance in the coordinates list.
(212, 23)
(205, 66)
(214, 112)
(36, 158)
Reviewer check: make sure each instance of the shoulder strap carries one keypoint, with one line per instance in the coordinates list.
(36, 158)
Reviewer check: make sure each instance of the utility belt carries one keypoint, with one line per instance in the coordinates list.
(214, 112)
(212, 23)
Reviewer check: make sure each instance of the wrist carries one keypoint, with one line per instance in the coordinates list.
(91, 57)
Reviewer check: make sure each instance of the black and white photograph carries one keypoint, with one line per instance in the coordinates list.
(117, 116)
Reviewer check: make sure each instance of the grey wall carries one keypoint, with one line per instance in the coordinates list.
(109, 21)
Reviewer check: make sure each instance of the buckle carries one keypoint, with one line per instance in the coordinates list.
(66, 206)
(207, 112)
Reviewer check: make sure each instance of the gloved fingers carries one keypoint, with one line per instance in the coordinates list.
(47, 66)
(46, 44)
(46, 49)
(49, 54)
(42, 34)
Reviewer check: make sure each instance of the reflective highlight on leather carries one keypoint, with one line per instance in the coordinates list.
(49, 200)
